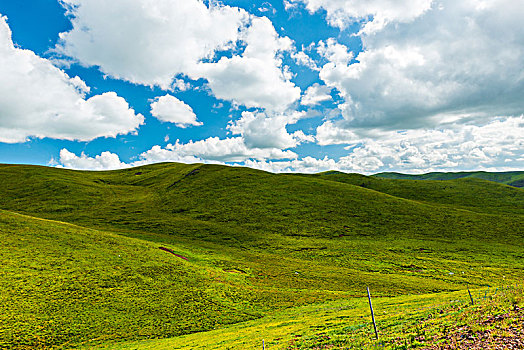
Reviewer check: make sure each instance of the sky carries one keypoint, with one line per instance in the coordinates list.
(361, 86)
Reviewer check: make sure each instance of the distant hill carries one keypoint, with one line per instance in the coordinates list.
(253, 243)
(511, 178)
(467, 192)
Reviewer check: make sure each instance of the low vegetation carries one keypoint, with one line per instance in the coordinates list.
(265, 252)
(512, 178)
(429, 321)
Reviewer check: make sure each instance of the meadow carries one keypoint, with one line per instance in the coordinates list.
(258, 256)
(512, 178)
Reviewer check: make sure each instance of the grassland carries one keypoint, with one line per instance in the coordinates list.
(430, 321)
(512, 178)
(82, 264)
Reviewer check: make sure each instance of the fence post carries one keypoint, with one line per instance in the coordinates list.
(372, 314)
(470, 297)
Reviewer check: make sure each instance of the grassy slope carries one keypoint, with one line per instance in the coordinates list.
(430, 321)
(274, 241)
(467, 193)
(64, 284)
(512, 178)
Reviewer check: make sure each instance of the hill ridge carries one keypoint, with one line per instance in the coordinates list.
(511, 178)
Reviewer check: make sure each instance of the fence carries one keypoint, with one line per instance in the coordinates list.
(478, 296)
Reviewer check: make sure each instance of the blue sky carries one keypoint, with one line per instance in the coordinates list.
(294, 85)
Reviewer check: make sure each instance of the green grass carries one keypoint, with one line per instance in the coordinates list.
(62, 284)
(403, 323)
(469, 193)
(259, 245)
(512, 178)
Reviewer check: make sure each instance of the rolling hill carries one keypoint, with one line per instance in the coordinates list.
(82, 248)
(469, 193)
(511, 178)
(62, 284)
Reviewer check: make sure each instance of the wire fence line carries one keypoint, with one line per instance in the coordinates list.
(483, 294)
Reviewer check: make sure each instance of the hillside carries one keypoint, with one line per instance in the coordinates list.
(467, 193)
(511, 178)
(64, 284)
(255, 243)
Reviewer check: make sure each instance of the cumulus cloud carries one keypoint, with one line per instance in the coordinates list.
(170, 109)
(303, 165)
(329, 134)
(303, 59)
(267, 7)
(316, 94)
(104, 161)
(148, 42)
(255, 78)
(455, 61)
(496, 145)
(180, 85)
(111, 161)
(210, 150)
(151, 42)
(426, 92)
(231, 149)
(337, 54)
(261, 137)
(260, 130)
(341, 13)
(39, 100)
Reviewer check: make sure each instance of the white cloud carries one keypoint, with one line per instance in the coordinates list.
(334, 52)
(231, 149)
(290, 4)
(341, 13)
(110, 161)
(104, 161)
(304, 165)
(170, 109)
(316, 94)
(80, 85)
(158, 154)
(39, 100)
(180, 85)
(267, 7)
(261, 137)
(457, 61)
(262, 131)
(211, 150)
(150, 42)
(497, 145)
(329, 134)
(440, 71)
(255, 78)
(303, 59)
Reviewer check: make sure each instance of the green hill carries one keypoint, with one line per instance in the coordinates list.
(512, 178)
(467, 193)
(255, 243)
(64, 284)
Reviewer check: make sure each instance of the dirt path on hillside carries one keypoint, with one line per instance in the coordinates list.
(172, 252)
